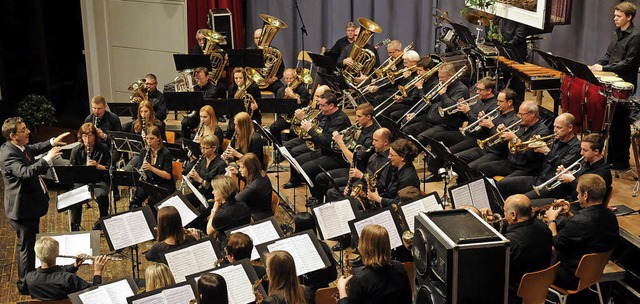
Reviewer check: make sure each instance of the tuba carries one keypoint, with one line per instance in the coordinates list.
(363, 59)
(184, 82)
(216, 56)
(272, 56)
(138, 89)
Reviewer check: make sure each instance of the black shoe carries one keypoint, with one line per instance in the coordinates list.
(116, 196)
(289, 185)
(357, 262)
(75, 227)
(431, 178)
(312, 202)
(96, 226)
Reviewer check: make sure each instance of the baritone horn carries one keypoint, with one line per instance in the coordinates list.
(531, 144)
(553, 182)
(495, 138)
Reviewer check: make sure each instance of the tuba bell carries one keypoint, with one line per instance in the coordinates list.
(216, 56)
(272, 56)
(363, 59)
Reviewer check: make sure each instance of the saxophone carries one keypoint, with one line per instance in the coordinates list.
(272, 56)
(256, 292)
(357, 191)
(363, 59)
(372, 182)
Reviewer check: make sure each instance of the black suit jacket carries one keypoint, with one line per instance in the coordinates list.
(24, 197)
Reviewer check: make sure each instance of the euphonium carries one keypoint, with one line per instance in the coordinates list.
(553, 182)
(495, 138)
(363, 59)
(272, 56)
(454, 108)
(531, 144)
(138, 89)
(216, 56)
(184, 82)
(348, 137)
(475, 126)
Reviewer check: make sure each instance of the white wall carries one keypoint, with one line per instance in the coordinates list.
(126, 39)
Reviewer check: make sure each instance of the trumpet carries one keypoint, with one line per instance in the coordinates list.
(450, 110)
(531, 144)
(88, 257)
(495, 138)
(553, 182)
(559, 203)
(475, 126)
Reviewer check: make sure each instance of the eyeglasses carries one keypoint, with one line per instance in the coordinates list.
(522, 114)
(205, 148)
(481, 89)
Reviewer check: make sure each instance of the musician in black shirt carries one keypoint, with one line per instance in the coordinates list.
(102, 119)
(296, 89)
(403, 174)
(210, 91)
(257, 190)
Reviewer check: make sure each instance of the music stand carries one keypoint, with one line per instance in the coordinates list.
(554, 62)
(388, 123)
(190, 61)
(123, 109)
(176, 151)
(427, 154)
(184, 101)
(191, 146)
(507, 51)
(464, 34)
(229, 107)
(127, 142)
(285, 106)
(246, 58)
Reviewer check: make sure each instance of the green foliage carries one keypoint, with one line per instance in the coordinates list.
(483, 5)
(37, 110)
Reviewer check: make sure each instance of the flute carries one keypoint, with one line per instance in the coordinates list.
(88, 257)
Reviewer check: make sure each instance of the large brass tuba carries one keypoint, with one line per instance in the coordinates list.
(363, 59)
(216, 56)
(272, 56)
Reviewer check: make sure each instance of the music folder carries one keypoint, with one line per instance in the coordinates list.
(109, 293)
(180, 202)
(384, 217)
(71, 198)
(129, 228)
(190, 61)
(303, 246)
(410, 210)
(260, 232)
(177, 293)
(191, 258)
(74, 243)
(333, 218)
(240, 277)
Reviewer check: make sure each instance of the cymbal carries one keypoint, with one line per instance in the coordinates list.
(477, 19)
(442, 16)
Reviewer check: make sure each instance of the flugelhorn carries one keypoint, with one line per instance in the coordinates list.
(454, 108)
(475, 126)
(531, 144)
(553, 182)
(559, 203)
(495, 138)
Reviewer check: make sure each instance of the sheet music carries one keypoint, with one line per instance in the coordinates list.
(128, 229)
(479, 196)
(239, 287)
(186, 215)
(302, 250)
(74, 196)
(293, 162)
(194, 190)
(71, 244)
(152, 299)
(115, 293)
(333, 218)
(179, 295)
(461, 196)
(429, 203)
(384, 219)
(259, 234)
(189, 260)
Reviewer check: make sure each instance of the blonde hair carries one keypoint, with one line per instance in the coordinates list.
(244, 129)
(283, 280)
(225, 185)
(158, 275)
(374, 246)
(47, 249)
(99, 100)
(137, 126)
(212, 114)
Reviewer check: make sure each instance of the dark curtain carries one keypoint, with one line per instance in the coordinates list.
(197, 14)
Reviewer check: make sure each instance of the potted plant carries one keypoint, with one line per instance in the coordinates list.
(36, 111)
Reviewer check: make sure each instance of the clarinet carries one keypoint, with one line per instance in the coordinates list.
(192, 169)
(96, 121)
(143, 132)
(143, 176)
(229, 146)
(88, 154)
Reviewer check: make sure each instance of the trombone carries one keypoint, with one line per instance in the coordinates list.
(475, 126)
(531, 144)
(454, 108)
(495, 138)
(553, 182)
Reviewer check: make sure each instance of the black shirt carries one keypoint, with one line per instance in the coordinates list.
(337, 121)
(231, 214)
(257, 195)
(388, 284)
(155, 253)
(600, 168)
(159, 105)
(100, 154)
(340, 45)
(483, 105)
(210, 91)
(347, 50)
(54, 283)
(405, 177)
(366, 140)
(506, 119)
(455, 91)
(622, 54)
(164, 163)
(208, 172)
(529, 160)
(561, 153)
(301, 90)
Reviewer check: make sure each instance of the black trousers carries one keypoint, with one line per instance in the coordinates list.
(101, 193)
(323, 182)
(26, 231)
(313, 163)
(502, 168)
(277, 127)
(433, 164)
(416, 126)
(620, 137)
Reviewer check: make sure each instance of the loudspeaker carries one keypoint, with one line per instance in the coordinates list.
(220, 20)
(459, 258)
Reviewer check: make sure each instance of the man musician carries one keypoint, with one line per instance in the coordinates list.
(102, 119)
(300, 93)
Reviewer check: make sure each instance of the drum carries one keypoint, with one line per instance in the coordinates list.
(621, 90)
(608, 81)
(585, 102)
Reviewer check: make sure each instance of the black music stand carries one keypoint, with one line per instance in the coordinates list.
(507, 51)
(191, 147)
(464, 34)
(246, 58)
(184, 101)
(229, 107)
(176, 151)
(285, 106)
(332, 76)
(190, 61)
(386, 122)
(554, 62)
(124, 109)
(127, 142)
(427, 154)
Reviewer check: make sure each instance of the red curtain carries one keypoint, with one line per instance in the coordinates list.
(197, 11)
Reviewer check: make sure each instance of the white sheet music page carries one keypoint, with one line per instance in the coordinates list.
(479, 194)
(152, 299)
(96, 296)
(179, 295)
(461, 196)
(138, 226)
(194, 190)
(182, 263)
(292, 161)
(384, 219)
(302, 250)
(73, 197)
(239, 287)
(259, 233)
(429, 203)
(205, 255)
(186, 215)
(118, 232)
(345, 212)
(118, 291)
(330, 220)
(71, 244)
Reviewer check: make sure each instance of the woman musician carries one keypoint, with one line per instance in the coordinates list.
(209, 122)
(91, 152)
(403, 174)
(245, 140)
(146, 119)
(240, 78)
(170, 234)
(155, 164)
(257, 190)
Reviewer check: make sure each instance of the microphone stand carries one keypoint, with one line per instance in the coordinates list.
(303, 29)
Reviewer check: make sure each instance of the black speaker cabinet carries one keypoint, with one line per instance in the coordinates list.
(220, 20)
(459, 259)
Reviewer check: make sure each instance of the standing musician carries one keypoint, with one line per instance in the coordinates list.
(593, 229)
(102, 119)
(475, 155)
(155, 163)
(564, 151)
(209, 166)
(422, 87)
(273, 82)
(246, 140)
(294, 89)
(523, 163)
(297, 146)
(344, 59)
(210, 91)
(403, 174)
(209, 122)
(155, 96)
(257, 190)
(202, 41)
(330, 119)
(91, 152)
(26, 197)
(343, 42)
(364, 121)
(401, 104)
(146, 119)
(623, 58)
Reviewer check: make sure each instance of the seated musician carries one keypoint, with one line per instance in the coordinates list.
(382, 280)
(593, 229)
(212, 288)
(395, 105)
(294, 89)
(528, 162)
(246, 140)
(412, 123)
(226, 213)
(530, 242)
(210, 91)
(156, 276)
(238, 91)
(202, 41)
(170, 234)
(330, 119)
(257, 190)
(102, 119)
(210, 126)
(295, 145)
(284, 286)
(91, 152)
(53, 282)
(155, 163)
(239, 247)
(154, 96)
(365, 122)
(379, 89)
(564, 151)
(403, 174)
(273, 82)
(476, 155)
(144, 120)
